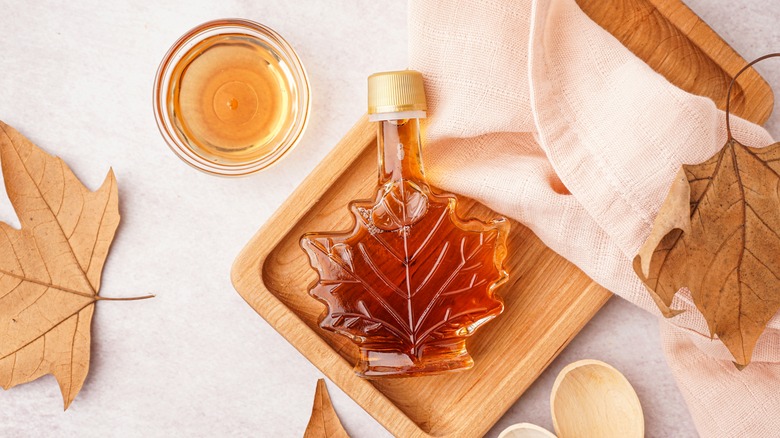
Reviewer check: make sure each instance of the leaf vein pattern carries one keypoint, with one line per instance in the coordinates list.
(365, 285)
(49, 330)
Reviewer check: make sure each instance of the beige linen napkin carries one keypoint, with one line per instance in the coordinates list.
(542, 115)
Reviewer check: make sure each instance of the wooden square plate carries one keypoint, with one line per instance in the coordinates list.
(548, 300)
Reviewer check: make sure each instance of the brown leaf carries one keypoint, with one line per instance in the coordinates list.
(324, 423)
(50, 269)
(718, 235)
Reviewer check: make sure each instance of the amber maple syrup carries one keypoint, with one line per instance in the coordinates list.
(412, 280)
(231, 97)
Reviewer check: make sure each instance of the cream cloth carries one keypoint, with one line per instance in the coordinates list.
(530, 98)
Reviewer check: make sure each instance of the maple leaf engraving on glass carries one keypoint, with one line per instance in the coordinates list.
(411, 281)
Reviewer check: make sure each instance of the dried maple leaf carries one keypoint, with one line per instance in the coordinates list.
(411, 275)
(50, 269)
(324, 423)
(718, 234)
(722, 244)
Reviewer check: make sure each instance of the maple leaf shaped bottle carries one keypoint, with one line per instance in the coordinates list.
(412, 280)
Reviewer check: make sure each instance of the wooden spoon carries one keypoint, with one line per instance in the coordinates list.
(592, 399)
(525, 430)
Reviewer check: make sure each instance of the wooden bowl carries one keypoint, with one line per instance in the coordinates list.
(592, 399)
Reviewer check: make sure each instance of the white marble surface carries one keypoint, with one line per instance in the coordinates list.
(76, 78)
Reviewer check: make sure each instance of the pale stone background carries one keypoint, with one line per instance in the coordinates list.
(76, 78)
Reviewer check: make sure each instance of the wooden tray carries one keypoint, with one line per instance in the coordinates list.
(548, 300)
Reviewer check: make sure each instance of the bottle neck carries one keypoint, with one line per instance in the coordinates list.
(400, 153)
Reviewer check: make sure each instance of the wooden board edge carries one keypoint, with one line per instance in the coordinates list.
(702, 35)
(311, 189)
(582, 311)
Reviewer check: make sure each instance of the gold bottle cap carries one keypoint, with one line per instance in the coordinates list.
(396, 91)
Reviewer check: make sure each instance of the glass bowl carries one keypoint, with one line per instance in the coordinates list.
(231, 97)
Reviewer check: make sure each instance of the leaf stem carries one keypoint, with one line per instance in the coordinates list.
(99, 298)
(731, 84)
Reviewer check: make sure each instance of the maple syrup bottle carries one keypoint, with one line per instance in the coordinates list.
(411, 281)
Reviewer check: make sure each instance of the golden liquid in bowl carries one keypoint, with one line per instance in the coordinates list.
(231, 98)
